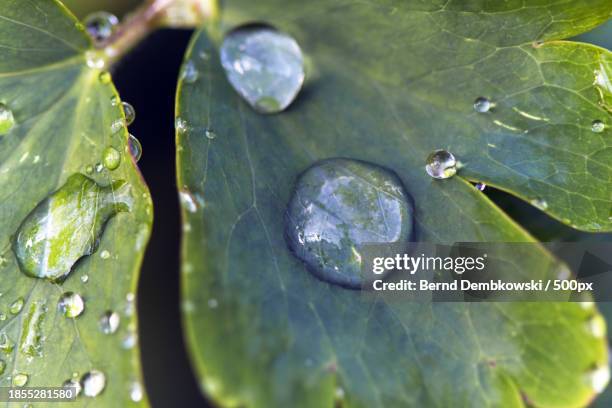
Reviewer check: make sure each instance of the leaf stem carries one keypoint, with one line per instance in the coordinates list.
(133, 29)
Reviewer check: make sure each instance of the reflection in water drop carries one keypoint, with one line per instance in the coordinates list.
(100, 25)
(265, 67)
(93, 383)
(337, 206)
(67, 226)
(71, 304)
(7, 120)
(135, 148)
(441, 164)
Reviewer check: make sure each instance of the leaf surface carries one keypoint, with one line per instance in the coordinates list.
(52, 173)
(388, 82)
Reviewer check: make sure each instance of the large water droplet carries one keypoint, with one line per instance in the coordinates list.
(109, 322)
(67, 225)
(337, 206)
(482, 105)
(111, 158)
(71, 304)
(598, 126)
(129, 112)
(20, 379)
(30, 343)
(441, 164)
(7, 120)
(135, 148)
(265, 66)
(93, 383)
(100, 25)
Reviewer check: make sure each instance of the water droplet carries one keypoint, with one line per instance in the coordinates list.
(597, 326)
(129, 112)
(117, 125)
(189, 72)
(599, 378)
(210, 134)
(2, 316)
(20, 379)
(129, 340)
(598, 126)
(99, 167)
(188, 201)
(109, 322)
(93, 383)
(7, 120)
(71, 304)
(213, 303)
(30, 343)
(337, 206)
(136, 391)
(16, 306)
(100, 25)
(482, 105)
(180, 125)
(114, 100)
(89, 169)
(480, 186)
(74, 384)
(105, 254)
(135, 148)
(2, 366)
(105, 77)
(94, 59)
(540, 203)
(84, 278)
(67, 226)
(111, 158)
(441, 164)
(265, 66)
(6, 345)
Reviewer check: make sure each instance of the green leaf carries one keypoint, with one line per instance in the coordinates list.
(62, 213)
(389, 82)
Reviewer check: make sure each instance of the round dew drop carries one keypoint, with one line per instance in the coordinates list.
(100, 25)
(136, 391)
(20, 379)
(105, 77)
(135, 148)
(7, 120)
(265, 66)
(71, 304)
(93, 383)
(129, 112)
(598, 126)
(111, 158)
(109, 322)
(16, 306)
(339, 205)
(482, 105)
(441, 164)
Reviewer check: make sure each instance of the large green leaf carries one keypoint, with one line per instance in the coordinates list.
(389, 81)
(63, 112)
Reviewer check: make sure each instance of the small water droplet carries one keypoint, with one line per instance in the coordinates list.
(135, 148)
(129, 112)
(117, 125)
(597, 326)
(540, 203)
(89, 169)
(598, 126)
(480, 186)
(2, 316)
(6, 345)
(74, 384)
(599, 378)
(213, 303)
(339, 393)
(109, 322)
(7, 120)
(265, 66)
(100, 25)
(71, 304)
(337, 206)
(111, 158)
(180, 125)
(93, 383)
(210, 134)
(482, 105)
(105, 254)
(20, 379)
(16, 306)
(114, 100)
(441, 164)
(67, 226)
(188, 201)
(94, 59)
(129, 340)
(105, 77)
(99, 167)
(84, 278)
(136, 391)
(189, 72)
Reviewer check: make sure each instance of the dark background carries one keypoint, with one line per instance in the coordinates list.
(147, 79)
